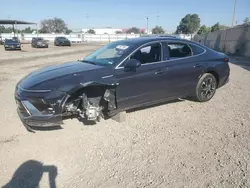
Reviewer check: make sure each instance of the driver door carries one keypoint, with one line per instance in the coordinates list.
(144, 84)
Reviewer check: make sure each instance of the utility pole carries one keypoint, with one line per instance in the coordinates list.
(235, 2)
(147, 25)
(36, 30)
(157, 17)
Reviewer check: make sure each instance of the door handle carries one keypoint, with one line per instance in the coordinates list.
(159, 72)
(197, 65)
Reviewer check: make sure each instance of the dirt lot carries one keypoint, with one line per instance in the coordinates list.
(180, 144)
(30, 53)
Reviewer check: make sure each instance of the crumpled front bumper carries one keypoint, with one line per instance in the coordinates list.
(32, 117)
(40, 109)
(12, 47)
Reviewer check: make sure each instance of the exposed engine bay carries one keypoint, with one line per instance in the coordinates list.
(91, 103)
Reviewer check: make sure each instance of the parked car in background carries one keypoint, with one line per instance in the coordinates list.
(120, 76)
(16, 39)
(10, 44)
(39, 42)
(62, 41)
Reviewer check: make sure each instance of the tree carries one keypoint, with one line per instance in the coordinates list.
(217, 27)
(7, 29)
(203, 29)
(222, 27)
(118, 32)
(189, 24)
(68, 31)
(158, 30)
(91, 31)
(28, 30)
(55, 25)
(2, 28)
(246, 21)
(134, 30)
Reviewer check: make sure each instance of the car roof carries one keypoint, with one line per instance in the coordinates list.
(143, 40)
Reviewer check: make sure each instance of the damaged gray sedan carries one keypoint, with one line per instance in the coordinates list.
(119, 76)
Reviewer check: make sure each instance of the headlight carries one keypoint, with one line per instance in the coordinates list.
(7, 45)
(18, 45)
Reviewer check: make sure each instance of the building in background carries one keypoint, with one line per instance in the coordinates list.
(105, 30)
(110, 30)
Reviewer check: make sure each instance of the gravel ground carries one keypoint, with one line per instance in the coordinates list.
(179, 144)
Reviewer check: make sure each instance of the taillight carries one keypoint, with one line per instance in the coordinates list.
(226, 59)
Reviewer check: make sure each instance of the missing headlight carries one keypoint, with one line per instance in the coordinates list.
(43, 106)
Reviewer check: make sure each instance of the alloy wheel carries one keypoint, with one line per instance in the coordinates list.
(207, 88)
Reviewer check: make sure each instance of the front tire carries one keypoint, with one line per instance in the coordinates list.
(206, 87)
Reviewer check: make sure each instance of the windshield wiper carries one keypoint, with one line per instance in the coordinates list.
(90, 62)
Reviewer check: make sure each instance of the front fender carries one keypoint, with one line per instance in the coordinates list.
(72, 89)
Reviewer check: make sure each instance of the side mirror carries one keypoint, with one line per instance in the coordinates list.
(132, 64)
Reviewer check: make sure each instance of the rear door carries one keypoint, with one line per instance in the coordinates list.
(184, 67)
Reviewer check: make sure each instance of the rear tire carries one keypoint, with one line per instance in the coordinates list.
(206, 88)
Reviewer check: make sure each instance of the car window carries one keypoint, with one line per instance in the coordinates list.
(110, 53)
(62, 38)
(10, 41)
(148, 54)
(196, 49)
(178, 50)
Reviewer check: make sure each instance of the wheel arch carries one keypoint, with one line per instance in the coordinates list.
(96, 89)
(214, 73)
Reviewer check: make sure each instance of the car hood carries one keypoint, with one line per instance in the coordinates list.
(55, 76)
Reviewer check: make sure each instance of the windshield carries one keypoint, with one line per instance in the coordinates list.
(62, 38)
(10, 41)
(109, 54)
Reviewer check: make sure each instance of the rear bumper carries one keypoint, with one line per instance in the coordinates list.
(223, 81)
(65, 44)
(224, 74)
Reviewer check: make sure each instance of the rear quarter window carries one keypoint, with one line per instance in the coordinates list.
(196, 49)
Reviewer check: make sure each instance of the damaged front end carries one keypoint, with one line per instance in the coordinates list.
(92, 102)
(46, 109)
(40, 108)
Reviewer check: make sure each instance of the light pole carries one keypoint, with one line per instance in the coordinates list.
(157, 17)
(147, 25)
(36, 30)
(235, 2)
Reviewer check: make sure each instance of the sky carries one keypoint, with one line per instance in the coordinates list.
(80, 14)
